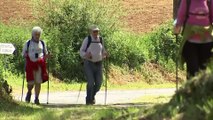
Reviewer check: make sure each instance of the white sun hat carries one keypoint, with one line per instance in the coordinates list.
(94, 28)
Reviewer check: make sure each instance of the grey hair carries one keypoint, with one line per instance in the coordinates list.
(36, 29)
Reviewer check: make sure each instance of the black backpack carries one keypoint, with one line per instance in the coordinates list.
(209, 2)
(42, 42)
(90, 41)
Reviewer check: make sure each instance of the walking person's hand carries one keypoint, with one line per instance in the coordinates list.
(88, 55)
(48, 56)
(25, 54)
(177, 30)
(105, 55)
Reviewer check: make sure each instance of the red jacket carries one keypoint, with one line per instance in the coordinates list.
(32, 66)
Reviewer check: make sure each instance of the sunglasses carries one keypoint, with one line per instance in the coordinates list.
(96, 31)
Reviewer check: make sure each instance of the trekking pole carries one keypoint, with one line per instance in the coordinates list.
(22, 92)
(106, 65)
(106, 69)
(176, 59)
(107, 77)
(48, 82)
(82, 70)
(176, 62)
(79, 92)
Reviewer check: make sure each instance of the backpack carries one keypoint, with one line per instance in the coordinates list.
(90, 41)
(188, 3)
(42, 42)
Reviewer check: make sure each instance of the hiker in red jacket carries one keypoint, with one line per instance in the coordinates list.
(195, 18)
(35, 53)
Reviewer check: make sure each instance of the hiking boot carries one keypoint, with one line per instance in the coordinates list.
(36, 101)
(93, 101)
(28, 97)
(89, 102)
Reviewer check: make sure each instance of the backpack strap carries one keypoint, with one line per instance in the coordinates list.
(188, 4)
(28, 45)
(209, 3)
(42, 42)
(101, 40)
(90, 41)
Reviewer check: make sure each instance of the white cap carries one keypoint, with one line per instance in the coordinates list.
(94, 28)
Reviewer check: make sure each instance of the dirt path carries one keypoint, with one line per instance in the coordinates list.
(113, 97)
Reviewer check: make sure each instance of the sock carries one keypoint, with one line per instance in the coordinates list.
(29, 92)
(36, 98)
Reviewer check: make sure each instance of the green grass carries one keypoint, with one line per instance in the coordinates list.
(141, 85)
(191, 102)
(153, 99)
(23, 111)
(17, 81)
(55, 85)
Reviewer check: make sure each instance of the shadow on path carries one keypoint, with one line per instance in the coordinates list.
(79, 106)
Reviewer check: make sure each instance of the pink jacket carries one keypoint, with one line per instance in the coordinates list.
(197, 7)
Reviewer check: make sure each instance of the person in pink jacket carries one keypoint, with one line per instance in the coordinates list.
(196, 19)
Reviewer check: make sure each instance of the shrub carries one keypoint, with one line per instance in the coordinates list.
(5, 89)
(17, 36)
(66, 25)
(191, 102)
(127, 50)
(163, 48)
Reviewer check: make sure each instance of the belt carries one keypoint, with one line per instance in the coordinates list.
(99, 62)
(199, 14)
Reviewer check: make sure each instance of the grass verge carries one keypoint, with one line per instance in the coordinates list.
(153, 99)
(56, 85)
(23, 111)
